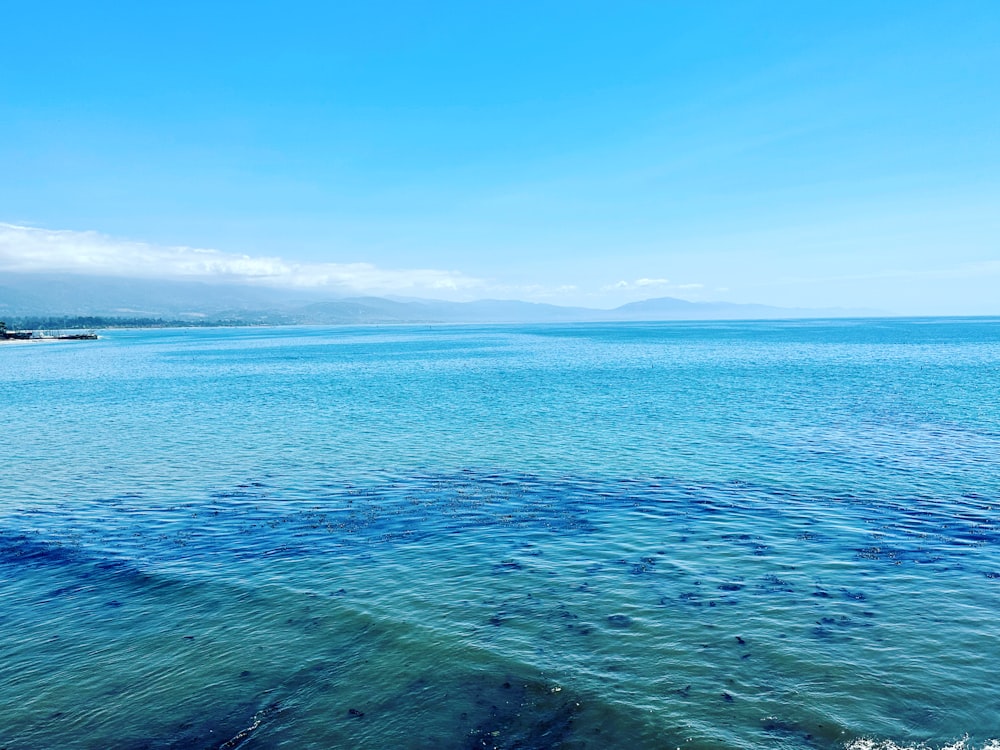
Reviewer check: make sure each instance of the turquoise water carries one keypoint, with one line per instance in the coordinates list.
(696, 535)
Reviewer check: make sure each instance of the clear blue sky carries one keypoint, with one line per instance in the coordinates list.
(792, 153)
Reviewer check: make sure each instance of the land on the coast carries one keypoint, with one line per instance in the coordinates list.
(66, 301)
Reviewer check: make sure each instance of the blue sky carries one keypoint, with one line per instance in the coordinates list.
(791, 153)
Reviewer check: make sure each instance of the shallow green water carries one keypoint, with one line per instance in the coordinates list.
(691, 535)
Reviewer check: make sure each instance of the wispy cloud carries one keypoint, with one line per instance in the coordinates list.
(645, 284)
(35, 250)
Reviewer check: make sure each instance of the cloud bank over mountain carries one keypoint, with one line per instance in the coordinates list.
(35, 250)
(25, 296)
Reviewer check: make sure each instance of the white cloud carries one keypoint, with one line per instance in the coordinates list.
(644, 284)
(637, 284)
(645, 287)
(29, 249)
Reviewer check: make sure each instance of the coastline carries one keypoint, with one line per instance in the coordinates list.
(46, 339)
(25, 341)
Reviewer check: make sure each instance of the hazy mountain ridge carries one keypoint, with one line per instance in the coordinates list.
(23, 295)
(69, 294)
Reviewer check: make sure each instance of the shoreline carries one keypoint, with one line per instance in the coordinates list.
(31, 341)
(47, 339)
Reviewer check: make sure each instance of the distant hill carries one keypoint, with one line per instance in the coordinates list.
(380, 310)
(65, 295)
(69, 294)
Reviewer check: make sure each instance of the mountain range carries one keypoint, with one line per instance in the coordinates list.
(23, 295)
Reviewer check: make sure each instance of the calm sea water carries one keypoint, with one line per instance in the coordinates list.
(732, 535)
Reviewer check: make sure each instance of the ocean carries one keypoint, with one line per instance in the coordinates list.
(665, 535)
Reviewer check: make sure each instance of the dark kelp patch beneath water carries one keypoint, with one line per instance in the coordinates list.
(227, 730)
(524, 715)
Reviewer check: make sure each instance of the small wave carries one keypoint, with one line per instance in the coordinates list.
(865, 743)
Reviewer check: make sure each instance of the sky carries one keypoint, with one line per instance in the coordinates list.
(794, 153)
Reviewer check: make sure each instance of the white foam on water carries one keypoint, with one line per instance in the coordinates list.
(865, 743)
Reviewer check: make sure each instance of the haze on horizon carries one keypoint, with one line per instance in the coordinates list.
(780, 153)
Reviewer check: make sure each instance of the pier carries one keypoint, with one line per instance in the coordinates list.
(39, 335)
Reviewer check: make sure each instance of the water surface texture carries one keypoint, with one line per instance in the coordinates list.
(692, 535)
